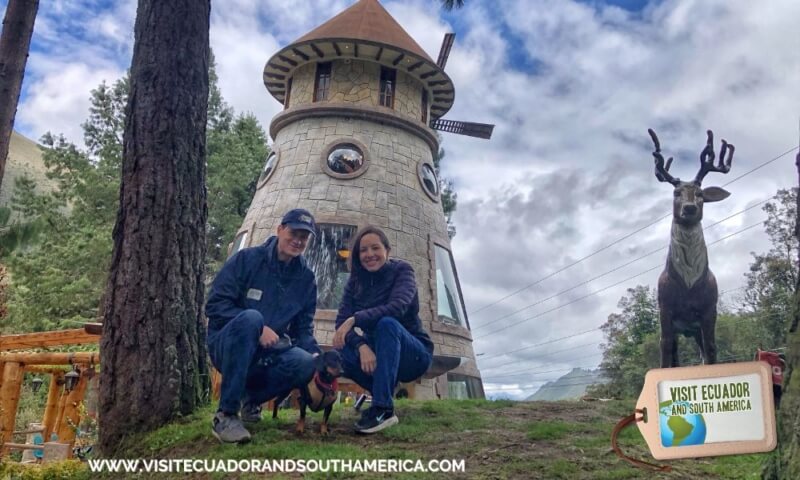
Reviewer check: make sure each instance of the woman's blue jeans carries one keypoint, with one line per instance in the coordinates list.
(401, 357)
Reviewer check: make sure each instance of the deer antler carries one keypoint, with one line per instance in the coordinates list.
(707, 159)
(662, 170)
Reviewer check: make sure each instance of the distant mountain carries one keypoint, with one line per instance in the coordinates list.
(571, 386)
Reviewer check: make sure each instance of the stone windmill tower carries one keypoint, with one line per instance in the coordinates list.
(354, 145)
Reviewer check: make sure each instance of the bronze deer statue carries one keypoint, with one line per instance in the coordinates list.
(687, 290)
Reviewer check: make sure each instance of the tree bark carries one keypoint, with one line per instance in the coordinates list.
(153, 352)
(785, 462)
(15, 43)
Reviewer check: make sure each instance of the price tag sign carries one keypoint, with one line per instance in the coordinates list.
(708, 410)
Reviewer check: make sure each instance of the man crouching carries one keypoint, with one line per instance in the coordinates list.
(261, 295)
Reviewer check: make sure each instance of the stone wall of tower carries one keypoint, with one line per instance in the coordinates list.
(357, 82)
(388, 194)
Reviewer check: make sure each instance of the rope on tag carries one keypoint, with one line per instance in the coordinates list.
(630, 419)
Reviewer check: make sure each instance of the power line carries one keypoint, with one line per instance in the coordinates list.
(762, 165)
(619, 267)
(570, 303)
(550, 275)
(539, 302)
(540, 387)
(722, 359)
(599, 343)
(732, 290)
(728, 357)
(606, 288)
(544, 343)
(733, 322)
(745, 317)
(546, 354)
(598, 328)
(624, 237)
(537, 370)
(544, 386)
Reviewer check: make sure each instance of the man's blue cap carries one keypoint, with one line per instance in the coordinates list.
(299, 219)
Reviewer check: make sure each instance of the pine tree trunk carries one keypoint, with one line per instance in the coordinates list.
(153, 352)
(785, 462)
(14, 45)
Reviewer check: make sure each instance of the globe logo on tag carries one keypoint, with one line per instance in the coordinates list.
(679, 425)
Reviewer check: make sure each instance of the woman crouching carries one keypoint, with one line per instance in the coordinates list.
(381, 299)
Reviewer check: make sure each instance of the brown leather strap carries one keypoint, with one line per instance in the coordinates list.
(630, 419)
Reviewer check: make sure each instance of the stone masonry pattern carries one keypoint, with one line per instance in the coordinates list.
(357, 82)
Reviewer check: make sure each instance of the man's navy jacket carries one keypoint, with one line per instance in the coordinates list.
(284, 294)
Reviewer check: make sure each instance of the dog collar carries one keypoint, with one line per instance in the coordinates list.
(320, 393)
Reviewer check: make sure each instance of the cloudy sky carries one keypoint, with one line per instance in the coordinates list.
(572, 87)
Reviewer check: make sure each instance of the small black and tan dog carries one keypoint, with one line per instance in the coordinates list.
(319, 393)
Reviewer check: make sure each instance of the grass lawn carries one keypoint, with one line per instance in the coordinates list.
(496, 440)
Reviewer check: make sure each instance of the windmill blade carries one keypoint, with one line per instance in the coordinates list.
(472, 129)
(444, 52)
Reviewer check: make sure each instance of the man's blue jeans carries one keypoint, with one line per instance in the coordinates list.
(400, 358)
(235, 353)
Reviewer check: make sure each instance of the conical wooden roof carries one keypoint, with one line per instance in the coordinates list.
(366, 20)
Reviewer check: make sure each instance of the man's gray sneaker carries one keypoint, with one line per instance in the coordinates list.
(251, 413)
(229, 429)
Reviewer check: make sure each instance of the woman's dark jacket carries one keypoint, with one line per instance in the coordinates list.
(389, 292)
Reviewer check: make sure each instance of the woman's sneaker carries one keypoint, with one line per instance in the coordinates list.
(229, 429)
(374, 419)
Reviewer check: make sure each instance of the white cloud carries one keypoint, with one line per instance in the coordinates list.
(75, 46)
(241, 56)
(59, 101)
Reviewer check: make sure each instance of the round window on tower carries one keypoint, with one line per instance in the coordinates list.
(269, 168)
(345, 159)
(427, 177)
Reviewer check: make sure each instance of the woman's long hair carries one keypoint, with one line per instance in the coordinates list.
(356, 269)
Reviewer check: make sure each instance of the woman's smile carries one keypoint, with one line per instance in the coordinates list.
(372, 253)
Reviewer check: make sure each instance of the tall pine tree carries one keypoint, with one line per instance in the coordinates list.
(153, 345)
